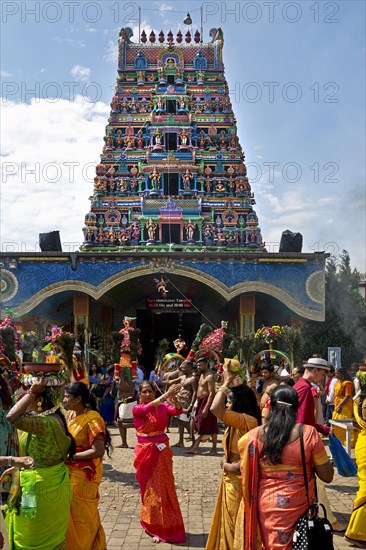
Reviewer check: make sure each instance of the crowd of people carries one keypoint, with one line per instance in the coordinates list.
(53, 473)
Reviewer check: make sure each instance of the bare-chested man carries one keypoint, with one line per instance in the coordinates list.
(205, 422)
(172, 375)
(187, 397)
(269, 384)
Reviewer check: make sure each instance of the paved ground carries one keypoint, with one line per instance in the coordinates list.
(197, 479)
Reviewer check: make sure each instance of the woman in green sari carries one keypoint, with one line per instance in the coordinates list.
(39, 501)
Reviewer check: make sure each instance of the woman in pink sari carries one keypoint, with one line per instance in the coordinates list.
(272, 473)
(160, 513)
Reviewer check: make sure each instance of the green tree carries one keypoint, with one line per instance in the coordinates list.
(345, 315)
(293, 340)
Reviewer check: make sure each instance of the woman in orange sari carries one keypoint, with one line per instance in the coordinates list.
(85, 531)
(271, 467)
(160, 513)
(343, 404)
(241, 415)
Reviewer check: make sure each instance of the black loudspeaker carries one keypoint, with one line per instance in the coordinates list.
(290, 242)
(50, 242)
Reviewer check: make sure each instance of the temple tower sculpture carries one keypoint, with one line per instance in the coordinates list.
(172, 171)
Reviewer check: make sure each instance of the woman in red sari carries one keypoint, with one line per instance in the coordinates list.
(160, 513)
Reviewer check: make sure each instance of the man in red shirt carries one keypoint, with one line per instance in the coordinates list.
(315, 371)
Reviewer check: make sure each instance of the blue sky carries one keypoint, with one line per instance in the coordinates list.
(296, 74)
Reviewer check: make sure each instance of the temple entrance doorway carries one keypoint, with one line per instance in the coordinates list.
(155, 326)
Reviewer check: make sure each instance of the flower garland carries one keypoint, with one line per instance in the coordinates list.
(61, 342)
(269, 334)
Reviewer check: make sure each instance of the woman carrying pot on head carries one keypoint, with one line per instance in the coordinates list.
(39, 501)
(241, 415)
(85, 531)
(273, 481)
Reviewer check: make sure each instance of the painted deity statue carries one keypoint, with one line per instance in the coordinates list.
(179, 344)
(155, 179)
(125, 359)
(190, 227)
(186, 178)
(158, 139)
(183, 137)
(151, 228)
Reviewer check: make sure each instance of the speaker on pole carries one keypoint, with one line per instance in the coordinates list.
(50, 242)
(290, 242)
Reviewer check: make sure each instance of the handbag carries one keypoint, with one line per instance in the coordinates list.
(344, 463)
(311, 531)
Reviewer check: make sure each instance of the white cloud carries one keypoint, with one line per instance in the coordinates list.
(5, 74)
(111, 54)
(145, 25)
(165, 7)
(303, 210)
(70, 41)
(81, 73)
(53, 168)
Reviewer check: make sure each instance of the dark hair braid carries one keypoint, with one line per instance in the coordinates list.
(276, 433)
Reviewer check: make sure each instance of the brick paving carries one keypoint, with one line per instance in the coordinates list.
(197, 478)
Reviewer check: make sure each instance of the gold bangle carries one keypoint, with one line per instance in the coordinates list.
(224, 389)
(157, 402)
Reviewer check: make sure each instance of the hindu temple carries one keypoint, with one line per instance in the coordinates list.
(172, 170)
(172, 237)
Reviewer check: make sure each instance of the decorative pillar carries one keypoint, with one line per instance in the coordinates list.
(247, 314)
(81, 310)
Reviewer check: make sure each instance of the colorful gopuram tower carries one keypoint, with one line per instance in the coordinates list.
(172, 172)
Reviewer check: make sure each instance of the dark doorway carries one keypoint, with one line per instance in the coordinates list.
(171, 106)
(171, 142)
(170, 184)
(170, 78)
(170, 233)
(155, 326)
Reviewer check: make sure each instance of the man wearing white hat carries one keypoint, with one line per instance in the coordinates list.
(315, 371)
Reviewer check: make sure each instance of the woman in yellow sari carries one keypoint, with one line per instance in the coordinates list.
(85, 531)
(343, 404)
(272, 473)
(241, 415)
(356, 530)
